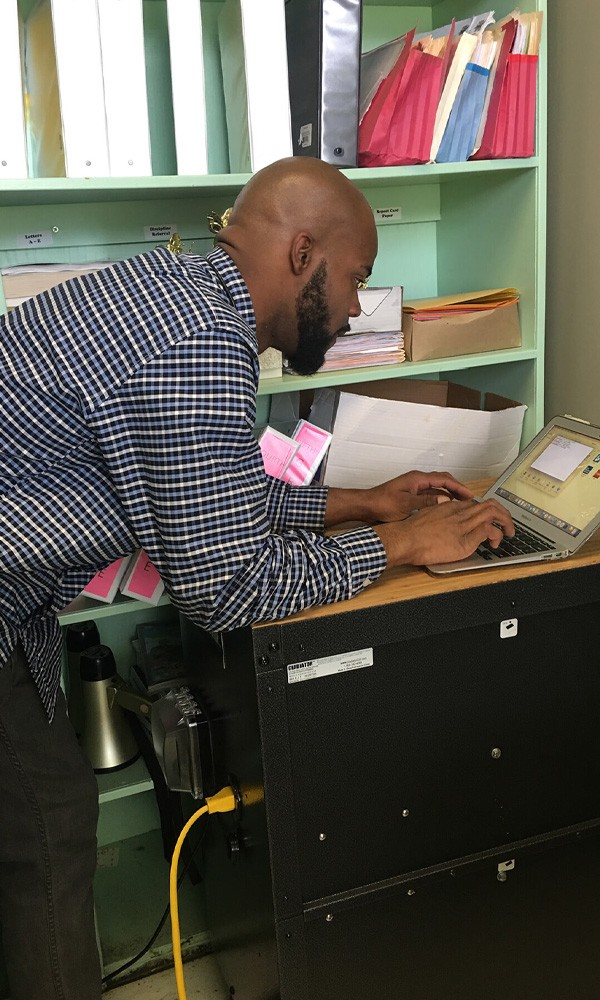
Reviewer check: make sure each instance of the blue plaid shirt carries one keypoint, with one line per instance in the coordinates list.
(126, 419)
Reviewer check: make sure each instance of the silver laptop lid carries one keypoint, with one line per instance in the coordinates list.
(554, 484)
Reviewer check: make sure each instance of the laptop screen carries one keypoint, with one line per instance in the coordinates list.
(558, 480)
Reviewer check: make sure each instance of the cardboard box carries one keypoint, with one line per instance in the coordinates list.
(384, 428)
(439, 328)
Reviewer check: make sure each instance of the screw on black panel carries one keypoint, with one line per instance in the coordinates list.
(263, 661)
(273, 646)
(301, 647)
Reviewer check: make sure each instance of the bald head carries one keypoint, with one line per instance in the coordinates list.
(300, 192)
(291, 218)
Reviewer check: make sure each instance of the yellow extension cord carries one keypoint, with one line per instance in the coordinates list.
(223, 801)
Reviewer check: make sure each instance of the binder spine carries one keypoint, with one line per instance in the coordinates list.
(340, 81)
(323, 43)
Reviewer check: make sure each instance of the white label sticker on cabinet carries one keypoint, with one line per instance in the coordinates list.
(509, 628)
(43, 239)
(159, 232)
(307, 670)
(388, 216)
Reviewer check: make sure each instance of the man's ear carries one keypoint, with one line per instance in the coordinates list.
(301, 252)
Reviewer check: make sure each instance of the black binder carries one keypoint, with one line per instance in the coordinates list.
(323, 44)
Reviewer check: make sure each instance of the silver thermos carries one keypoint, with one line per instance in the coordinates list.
(106, 737)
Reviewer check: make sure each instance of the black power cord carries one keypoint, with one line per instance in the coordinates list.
(132, 961)
(169, 807)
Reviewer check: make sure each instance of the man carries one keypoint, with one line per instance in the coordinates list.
(127, 409)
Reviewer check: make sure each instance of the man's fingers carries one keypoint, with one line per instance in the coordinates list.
(429, 498)
(490, 519)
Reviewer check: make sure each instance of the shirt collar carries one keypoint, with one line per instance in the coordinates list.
(233, 284)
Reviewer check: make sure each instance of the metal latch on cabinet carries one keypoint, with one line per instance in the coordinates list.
(503, 868)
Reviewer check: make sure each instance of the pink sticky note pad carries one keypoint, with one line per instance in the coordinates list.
(142, 580)
(277, 451)
(313, 443)
(105, 584)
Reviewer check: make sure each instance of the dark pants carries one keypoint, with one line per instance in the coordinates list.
(48, 818)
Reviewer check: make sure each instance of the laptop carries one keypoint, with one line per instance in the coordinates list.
(552, 491)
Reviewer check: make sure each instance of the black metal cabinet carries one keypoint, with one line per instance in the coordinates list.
(425, 825)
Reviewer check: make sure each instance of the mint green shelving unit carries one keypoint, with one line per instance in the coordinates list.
(461, 227)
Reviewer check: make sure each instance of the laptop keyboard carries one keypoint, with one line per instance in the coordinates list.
(524, 542)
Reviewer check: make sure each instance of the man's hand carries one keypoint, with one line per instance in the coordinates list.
(393, 500)
(444, 533)
(413, 491)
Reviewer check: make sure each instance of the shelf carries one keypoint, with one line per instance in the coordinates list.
(73, 190)
(82, 607)
(429, 173)
(131, 780)
(407, 369)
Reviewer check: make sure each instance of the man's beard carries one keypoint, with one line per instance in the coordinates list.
(313, 320)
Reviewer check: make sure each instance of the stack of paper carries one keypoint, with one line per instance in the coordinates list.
(26, 280)
(363, 350)
(375, 337)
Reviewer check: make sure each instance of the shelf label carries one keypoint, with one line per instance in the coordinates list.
(388, 216)
(159, 232)
(308, 670)
(43, 239)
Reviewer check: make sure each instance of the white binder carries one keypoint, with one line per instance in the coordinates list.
(187, 85)
(252, 39)
(13, 147)
(125, 94)
(66, 90)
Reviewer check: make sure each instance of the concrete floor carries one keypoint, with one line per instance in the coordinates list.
(202, 982)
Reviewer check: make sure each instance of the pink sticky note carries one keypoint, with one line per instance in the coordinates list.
(105, 584)
(277, 451)
(143, 580)
(313, 443)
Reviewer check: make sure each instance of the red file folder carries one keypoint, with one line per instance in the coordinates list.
(515, 134)
(374, 128)
(397, 128)
(413, 120)
(498, 105)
